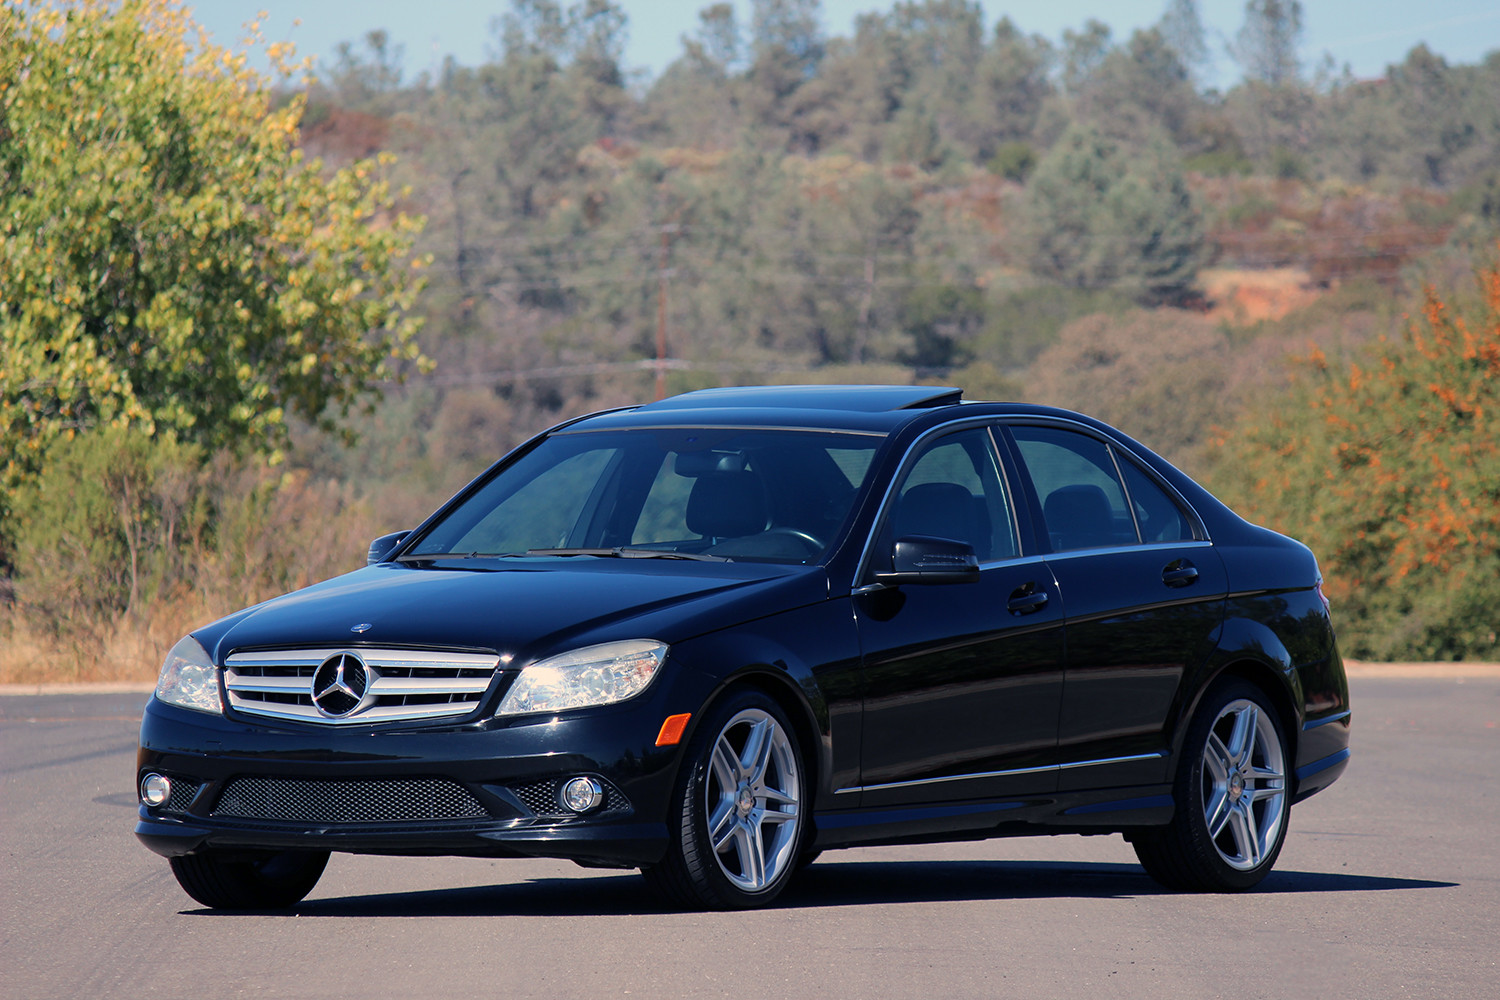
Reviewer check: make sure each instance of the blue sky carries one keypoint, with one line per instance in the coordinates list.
(1366, 34)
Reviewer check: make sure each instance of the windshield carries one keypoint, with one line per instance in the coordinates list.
(770, 495)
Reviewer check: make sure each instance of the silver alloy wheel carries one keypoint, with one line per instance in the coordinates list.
(753, 798)
(1244, 784)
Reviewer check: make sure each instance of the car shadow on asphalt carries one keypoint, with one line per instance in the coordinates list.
(830, 884)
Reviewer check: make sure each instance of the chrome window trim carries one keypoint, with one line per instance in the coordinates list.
(1059, 768)
(1138, 547)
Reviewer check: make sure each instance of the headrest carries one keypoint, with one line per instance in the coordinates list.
(941, 510)
(727, 505)
(1079, 517)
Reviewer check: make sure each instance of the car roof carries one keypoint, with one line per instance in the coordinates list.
(868, 409)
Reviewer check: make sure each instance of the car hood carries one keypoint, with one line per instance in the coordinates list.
(525, 610)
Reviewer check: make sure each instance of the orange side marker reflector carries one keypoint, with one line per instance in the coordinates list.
(671, 730)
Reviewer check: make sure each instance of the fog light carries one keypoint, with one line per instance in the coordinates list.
(155, 789)
(582, 794)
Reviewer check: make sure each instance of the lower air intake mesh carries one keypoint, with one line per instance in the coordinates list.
(396, 800)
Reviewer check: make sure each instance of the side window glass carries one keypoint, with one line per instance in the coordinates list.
(954, 490)
(1159, 518)
(1083, 503)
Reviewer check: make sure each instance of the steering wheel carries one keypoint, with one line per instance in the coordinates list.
(814, 545)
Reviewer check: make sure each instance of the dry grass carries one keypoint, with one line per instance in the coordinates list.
(304, 530)
(128, 647)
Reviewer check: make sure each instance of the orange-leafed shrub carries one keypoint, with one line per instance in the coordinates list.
(1390, 469)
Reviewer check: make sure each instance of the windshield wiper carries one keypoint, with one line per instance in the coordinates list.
(430, 556)
(624, 552)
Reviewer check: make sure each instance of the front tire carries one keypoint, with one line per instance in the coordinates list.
(738, 811)
(1232, 797)
(258, 881)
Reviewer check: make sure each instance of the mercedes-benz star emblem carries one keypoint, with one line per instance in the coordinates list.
(340, 685)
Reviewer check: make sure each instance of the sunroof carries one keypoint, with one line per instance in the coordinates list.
(861, 398)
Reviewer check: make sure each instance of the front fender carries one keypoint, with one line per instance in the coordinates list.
(808, 659)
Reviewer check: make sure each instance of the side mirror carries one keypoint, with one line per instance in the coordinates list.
(923, 559)
(384, 546)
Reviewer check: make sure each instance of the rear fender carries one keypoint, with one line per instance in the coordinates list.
(1248, 649)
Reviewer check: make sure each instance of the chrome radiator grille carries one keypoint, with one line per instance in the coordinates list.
(390, 685)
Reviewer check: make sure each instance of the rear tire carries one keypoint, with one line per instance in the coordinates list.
(258, 881)
(737, 822)
(1232, 797)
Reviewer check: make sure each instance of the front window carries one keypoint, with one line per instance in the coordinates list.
(953, 489)
(765, 494)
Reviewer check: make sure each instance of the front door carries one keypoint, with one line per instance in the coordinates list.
(962, 681)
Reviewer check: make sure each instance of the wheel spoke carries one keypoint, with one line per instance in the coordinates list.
(726, 765)
(1242, 737)
(1246, 837)
(772, 816)
(752, 854)
(1217, 812)
(757, 755)
(1263, 775)
(1217, 759)
(775, 795)
(721, 826)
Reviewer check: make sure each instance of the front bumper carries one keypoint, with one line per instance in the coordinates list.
(485, 789)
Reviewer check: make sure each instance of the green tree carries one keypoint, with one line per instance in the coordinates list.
(1142, 89)
(1082, 53)
(1011, 84)
(696, 99)
(1266, 44)
(1182, 28)
(1390, 469)
(786, 49)
(168, 259)
(1272, 109)
(1098, 216)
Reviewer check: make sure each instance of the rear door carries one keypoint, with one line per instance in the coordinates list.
(1144, 593)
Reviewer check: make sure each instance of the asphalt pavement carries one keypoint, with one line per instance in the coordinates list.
(1389, 886)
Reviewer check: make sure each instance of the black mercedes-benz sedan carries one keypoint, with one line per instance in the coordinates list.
(713, 636)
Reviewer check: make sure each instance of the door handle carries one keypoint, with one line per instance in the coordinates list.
(1026, 599)
(1179, 573)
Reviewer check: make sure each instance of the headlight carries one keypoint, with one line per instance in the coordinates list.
(583, 678)
(189, 678)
